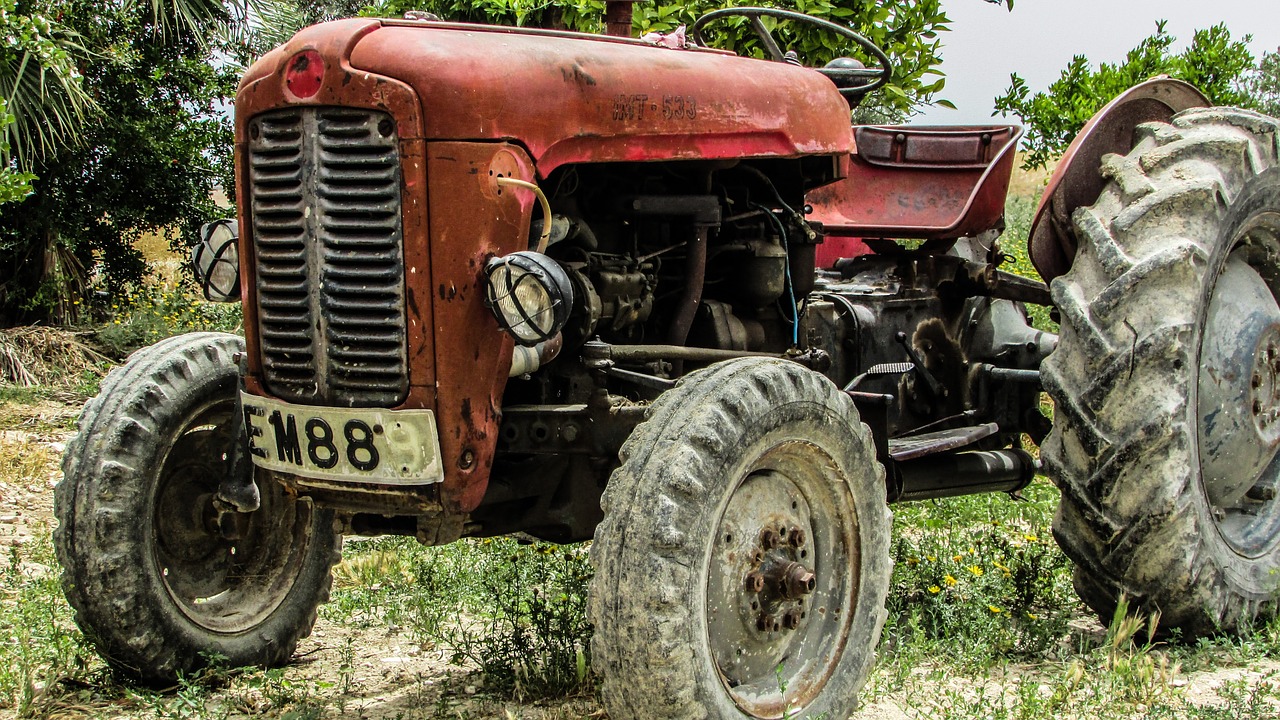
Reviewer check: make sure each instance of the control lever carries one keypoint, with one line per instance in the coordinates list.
(935, 387)
(880, 369)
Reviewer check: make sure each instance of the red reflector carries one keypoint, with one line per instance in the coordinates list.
(305, 72)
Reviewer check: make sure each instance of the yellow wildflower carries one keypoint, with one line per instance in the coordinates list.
(994, 609)
(949, 581)
(1031, 538)
(957, 558)
(931, 558)
(1032, 616)
(913, 561)
(934, 589)
(977, 571)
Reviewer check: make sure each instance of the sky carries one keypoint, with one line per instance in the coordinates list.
(1039, 37)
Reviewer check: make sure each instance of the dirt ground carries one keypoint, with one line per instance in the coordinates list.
(380, 673)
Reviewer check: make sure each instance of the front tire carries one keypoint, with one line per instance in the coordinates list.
(155, 582)
(1166, 379)
(743, 562)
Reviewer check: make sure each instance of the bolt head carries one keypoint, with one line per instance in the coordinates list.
(791, 620)
(754, 582)
(766, 622)
(769, 538)
(796, 537)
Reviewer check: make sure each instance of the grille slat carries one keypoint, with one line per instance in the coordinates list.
(330, 281)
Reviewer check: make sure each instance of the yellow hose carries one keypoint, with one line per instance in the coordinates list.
(546, 208)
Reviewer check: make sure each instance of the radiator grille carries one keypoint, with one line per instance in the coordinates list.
(325, 207)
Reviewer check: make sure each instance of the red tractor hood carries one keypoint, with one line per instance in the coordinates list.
(567, 97)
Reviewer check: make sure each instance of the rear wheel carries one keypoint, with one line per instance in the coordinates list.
(1167, 377)
(159, 580)
(743, 563)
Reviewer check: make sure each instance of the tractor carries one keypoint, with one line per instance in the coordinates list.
(666, 298)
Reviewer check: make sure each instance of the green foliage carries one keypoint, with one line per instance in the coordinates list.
(14, 184)
(908, 31)
(1214, 62)
(532, 637)
(38, 642)
(515, 612)
(40, 79)
(1263, 84)
(146, 314)
(993, 587)
(148, 164)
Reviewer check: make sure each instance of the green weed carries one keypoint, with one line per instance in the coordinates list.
(150, 313)
(516, 612)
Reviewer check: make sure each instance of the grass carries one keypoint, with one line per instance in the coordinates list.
(982, 624)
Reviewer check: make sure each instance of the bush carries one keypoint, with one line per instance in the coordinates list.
(997, 587)
(1214, 62)
(150, 313)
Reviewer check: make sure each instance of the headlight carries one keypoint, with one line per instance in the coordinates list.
(530, 295)
(216, 261)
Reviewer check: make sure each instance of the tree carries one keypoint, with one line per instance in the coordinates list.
(1263, 84)
(147, 163)
(40, 81)
(1214, 62)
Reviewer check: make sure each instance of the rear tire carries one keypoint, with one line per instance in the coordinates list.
(698, 611)
(1166, 379)
(154, 583)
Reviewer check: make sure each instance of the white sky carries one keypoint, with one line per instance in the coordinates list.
(1039, 37)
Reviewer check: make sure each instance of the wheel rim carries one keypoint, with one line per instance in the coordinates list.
(1238, 390)
(224, 585)
(782, 580)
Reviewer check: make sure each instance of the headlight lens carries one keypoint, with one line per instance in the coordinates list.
(216, 261)
(530, 294)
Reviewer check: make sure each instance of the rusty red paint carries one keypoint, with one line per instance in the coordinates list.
(562, 98)
(473, 219)
(1076, 180)
(305, 73)
(920, 182)
(572, 98)
(262, 88)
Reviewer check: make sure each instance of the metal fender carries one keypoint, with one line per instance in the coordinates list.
(1077, 180)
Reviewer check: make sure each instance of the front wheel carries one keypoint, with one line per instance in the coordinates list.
(1166, 379)
(159, 581)
(743, 563)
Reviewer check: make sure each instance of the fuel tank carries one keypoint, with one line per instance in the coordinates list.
(565, 97)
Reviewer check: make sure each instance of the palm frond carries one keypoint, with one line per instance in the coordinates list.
(197, 19)
(263, 24)
(48, 102)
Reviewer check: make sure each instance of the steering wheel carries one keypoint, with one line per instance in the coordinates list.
(853, 82)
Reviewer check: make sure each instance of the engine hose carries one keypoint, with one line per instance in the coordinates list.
(791, 288)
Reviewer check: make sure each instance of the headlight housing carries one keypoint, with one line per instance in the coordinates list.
(216, 261)
(529, 294)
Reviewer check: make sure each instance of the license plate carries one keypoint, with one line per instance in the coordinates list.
(393, 447)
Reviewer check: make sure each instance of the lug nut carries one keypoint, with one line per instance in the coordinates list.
(796, 537)
(791, 620)
(798, 581)
(769, 538)
(766, 622)
(754, 582)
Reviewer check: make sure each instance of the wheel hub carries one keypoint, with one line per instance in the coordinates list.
(775, 611)
(775, 586)
(1239, 384)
